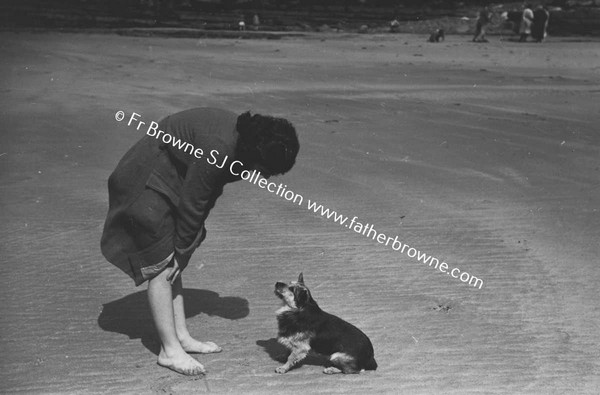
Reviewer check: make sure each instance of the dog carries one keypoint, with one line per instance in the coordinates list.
(437, 36)
(303, 327)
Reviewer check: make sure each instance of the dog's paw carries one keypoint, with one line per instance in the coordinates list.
(331, 370)
(281, 370)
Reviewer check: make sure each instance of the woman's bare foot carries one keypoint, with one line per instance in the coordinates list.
(181, 362)
(189, 344)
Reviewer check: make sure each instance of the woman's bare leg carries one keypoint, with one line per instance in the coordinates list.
(172, 354)
(188, 343)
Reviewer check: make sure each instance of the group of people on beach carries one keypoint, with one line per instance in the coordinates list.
(532, 23)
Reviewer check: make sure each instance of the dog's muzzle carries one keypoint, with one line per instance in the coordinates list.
(279, 287)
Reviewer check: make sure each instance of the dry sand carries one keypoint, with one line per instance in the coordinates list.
(484, 155)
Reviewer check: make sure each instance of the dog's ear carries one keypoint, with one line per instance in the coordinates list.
(301, 297)
(301, 279)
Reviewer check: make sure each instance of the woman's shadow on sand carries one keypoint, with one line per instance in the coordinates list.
(131, 315)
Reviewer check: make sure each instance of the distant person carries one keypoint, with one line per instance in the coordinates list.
(526, 22)
(255, 22)
(437, 36)
(241, 25)
(484, 19)
(540, 23)
(160, 196)
(394, 26)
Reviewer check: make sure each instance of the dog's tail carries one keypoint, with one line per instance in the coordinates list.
(371, 365)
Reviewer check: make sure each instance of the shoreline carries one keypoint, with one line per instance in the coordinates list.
(184, 32)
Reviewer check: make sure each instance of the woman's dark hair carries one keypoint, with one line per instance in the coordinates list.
(267, 141)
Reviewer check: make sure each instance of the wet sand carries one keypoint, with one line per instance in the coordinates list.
(484, 155)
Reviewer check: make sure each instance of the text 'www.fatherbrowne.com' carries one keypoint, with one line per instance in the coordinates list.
(369, 231)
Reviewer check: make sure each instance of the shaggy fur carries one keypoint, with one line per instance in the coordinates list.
(303, 327)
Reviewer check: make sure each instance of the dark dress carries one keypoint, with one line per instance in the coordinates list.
(160, 195)
(540, 24)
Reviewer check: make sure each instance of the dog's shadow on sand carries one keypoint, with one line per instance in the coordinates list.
(131, 315)
(279, 353)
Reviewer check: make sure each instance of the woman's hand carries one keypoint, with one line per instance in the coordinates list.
(175, 272)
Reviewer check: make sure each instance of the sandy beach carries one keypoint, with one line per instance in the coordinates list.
(486, 156)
